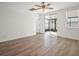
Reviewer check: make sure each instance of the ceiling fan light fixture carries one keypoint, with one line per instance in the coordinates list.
(43, 7)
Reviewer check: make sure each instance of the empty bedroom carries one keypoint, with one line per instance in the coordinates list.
(39, 28)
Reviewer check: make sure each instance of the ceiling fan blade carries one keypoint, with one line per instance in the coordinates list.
(38, 5)
(43, 3)
(32, 9)
(38, 8)
(48, 4)
(50, 8)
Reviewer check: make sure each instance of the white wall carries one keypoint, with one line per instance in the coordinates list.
(14, 24)
(62, 26)
(40, 23)
(63, 29)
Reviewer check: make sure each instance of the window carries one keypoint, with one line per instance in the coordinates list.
(73, 19)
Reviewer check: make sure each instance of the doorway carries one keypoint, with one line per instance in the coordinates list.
(51, 26)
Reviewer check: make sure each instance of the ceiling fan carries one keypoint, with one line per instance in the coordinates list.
(43, 7)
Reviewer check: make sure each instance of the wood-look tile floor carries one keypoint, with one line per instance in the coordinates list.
(40, 45)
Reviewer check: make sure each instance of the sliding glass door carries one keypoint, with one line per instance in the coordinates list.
(50, 25)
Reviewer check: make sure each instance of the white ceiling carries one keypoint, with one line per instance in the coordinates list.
(23, 6)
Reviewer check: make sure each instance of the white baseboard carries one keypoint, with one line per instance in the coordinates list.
(73, 38)
(17, 37)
